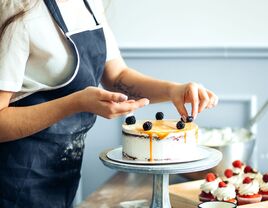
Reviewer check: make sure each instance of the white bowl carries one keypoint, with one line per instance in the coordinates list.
(217, 204)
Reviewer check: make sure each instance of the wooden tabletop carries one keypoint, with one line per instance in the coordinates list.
(121, 187)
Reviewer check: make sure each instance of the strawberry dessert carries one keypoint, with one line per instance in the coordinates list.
(248, 192)
(229, 177)
(252, 173)
(264, 187)
(225, 192)
(208, 187)
(238, 167)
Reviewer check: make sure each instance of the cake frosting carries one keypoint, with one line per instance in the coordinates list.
(231, 178)
(164, 141)
(249, 188)
(264, 186)
(226, 193)
(210, 186)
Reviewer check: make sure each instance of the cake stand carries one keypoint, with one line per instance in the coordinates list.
(160, 172)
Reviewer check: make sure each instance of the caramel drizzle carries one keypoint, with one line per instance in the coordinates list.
(196, 135)
(162, 135)
(151, 147)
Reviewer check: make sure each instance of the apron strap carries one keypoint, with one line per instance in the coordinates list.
(55, 12)
(90, 11)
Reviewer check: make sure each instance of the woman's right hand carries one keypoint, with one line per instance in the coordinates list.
(107, 104)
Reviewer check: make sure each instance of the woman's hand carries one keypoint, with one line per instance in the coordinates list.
(199, 97)
(107, 104)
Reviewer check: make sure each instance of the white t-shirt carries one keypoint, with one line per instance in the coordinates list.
(35, 55)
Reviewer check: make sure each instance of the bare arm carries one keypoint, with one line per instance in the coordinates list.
(19, 122)
(118, 77)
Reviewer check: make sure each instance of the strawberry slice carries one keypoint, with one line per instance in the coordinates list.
(265, 177)
(210, 177)
(228, 173)
(237, 164)
(222, 184)
(248, 169)
(247, 180)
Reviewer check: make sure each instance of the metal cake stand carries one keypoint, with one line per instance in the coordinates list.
(160, 172)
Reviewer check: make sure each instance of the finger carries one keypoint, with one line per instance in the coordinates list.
(203, 99)
(112, 96)
(130, 101)
(194, 99)
(213, 99)
(125, 107)
(181, 109)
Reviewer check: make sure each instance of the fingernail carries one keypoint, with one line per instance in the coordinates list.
(123, 97)
(183, 118)
(146, 102)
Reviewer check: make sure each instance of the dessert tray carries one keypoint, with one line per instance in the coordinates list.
(200, 153)
(186, 195)
(160, 198)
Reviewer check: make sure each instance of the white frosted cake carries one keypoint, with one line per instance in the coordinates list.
(163, 141)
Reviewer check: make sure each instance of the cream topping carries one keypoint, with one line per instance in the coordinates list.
(236, 180)
(263, 186)
(225, 193)
(238, 170)
(249, 189)
(210, 187)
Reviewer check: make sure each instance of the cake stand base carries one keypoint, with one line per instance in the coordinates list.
(160, 172)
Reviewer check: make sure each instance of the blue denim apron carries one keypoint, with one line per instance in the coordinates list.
(43, 170)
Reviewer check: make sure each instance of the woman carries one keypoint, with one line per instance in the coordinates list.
(53, 55)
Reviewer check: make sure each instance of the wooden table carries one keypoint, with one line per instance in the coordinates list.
(121, 187)
(124, 187)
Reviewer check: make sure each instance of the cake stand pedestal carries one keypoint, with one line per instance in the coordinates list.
(160, 172)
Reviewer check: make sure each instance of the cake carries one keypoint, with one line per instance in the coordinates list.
(208, 187)
(248, 192)
(159, 139)
(225, 192)
(264, 187)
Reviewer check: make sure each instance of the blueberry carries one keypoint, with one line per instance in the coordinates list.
(147, 125)
(180, 125)
(189, 119)
(130, 120)
(159, 116)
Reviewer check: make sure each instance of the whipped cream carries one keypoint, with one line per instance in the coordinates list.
(238, 171)
(236, 180)
(263, 186)
(225, 193)
(210, 187)
(224, 136)
(256, 176)
(249, 188)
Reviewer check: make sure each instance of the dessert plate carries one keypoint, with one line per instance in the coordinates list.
(200, 153)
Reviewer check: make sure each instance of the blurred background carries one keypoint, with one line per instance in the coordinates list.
(221, 44)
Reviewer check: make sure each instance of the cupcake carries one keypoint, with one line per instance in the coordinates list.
(264, 187)
(252, 173)
(229, 177)
(248, 192)
(208, 187)
(238, 167)
(225, 192)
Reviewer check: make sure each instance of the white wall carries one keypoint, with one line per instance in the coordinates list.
(222, 44)
(186, 23)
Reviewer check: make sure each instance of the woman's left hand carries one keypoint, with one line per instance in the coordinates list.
(198, 96)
